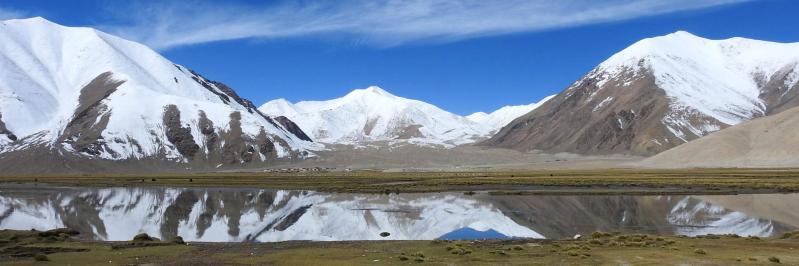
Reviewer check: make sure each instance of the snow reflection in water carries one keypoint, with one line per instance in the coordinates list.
(229, 215)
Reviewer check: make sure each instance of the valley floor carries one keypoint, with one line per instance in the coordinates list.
(59, 248)
(606, 181)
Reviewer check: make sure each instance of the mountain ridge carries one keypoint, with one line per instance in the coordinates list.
(373, 115)
(79, 92)
(661, 92)
(504, 115)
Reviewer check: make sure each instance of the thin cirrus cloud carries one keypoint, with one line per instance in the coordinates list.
(381, 22)
(7, 13)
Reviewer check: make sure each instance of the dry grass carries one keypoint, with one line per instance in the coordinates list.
(613, 181)
(597, 249)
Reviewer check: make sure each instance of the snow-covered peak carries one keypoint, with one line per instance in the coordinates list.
(502, 116)
(373, 114)
(370, 92)
(721, 79)
(56, 80)
(479, 116)
(745, 54)
(34, 22)
(279, 106)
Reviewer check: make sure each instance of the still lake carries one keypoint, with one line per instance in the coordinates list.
(263, 215)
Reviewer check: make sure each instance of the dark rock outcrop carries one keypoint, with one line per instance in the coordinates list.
(227, 94)
(223, 91)
(266, 146)
(234, 150)
(4, 130)
(292, 127)
(84, 132)
(207, 128)
(177, 134)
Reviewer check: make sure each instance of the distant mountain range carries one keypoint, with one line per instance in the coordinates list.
(502, 116)
(373, 115)
(70, 95)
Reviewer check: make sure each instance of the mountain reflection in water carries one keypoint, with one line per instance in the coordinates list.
(232, 215)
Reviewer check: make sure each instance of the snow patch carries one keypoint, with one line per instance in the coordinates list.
(601, 104)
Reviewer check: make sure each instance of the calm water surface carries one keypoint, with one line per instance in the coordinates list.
(262, 215)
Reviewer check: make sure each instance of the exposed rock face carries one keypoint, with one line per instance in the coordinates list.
(224, 92)
(659, 93)
(292, 127)
(177, 134)
(207, 129)
(267, 147)
(235, 150)
(83, 133)
(780, 91)
(229, 146)
(5, 132)
(409, 132)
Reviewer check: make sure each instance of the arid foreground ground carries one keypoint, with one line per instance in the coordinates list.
(61, 247)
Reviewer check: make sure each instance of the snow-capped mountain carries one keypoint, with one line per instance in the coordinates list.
(373, 114)
(661, 92)
(71, 91)
(502, 116)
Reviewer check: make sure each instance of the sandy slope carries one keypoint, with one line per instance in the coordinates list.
(770, 141)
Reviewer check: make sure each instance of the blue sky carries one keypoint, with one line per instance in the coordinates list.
(462, 55)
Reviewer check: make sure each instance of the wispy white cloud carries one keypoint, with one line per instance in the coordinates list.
(380, 22)
(8, 13)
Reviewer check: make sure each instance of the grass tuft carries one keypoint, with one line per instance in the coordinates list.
(40, 257)
(700, 251)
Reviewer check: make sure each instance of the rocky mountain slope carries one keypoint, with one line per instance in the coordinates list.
(372, 115)
(77, 93)
(764, 142)
(659, 93)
